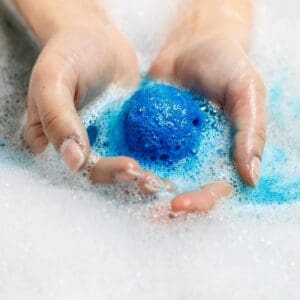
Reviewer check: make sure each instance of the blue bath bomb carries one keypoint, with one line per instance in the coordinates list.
(162, 123)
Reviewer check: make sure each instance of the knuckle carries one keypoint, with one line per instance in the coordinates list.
(261, 135)
(29, 130)
(50, 120)
(60, 124)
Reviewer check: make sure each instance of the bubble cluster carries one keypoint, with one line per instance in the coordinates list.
(170, 131)
(162, 123)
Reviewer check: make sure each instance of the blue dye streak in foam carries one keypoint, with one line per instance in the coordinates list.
(274, 187)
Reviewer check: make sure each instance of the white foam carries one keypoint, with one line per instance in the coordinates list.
(60, 238)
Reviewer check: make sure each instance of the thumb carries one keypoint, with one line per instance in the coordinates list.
(52, 91)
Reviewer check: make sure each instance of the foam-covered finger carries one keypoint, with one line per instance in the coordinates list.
(115, 169)
(169, 185)
(200, 201)
(149, 184)
(160, 212)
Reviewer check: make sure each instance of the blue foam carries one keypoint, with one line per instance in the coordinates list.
(274, 186)
(144, 128)
(272, 190)
(162, 123)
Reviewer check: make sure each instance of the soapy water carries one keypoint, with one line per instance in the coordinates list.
(200, 145)
(61, 237)
(190, 166)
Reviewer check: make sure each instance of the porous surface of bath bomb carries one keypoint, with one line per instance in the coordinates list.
(163, 123)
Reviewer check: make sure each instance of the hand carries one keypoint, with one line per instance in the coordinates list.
(205, 52)
(73, 65)
(218, 66)
(82, 54)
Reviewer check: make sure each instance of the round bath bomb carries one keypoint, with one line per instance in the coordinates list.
(162, 123)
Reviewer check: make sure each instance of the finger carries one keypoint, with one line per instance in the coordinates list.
(125, 170)
(52, 89)
(120, 169)
(200, 201)
(149, 184)
(222, 71)
(245, 104)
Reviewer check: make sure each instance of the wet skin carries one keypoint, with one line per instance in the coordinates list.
(83, 52)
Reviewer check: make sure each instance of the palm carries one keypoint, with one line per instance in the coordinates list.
(220, 69)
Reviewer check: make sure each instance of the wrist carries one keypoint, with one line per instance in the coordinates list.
(50, 17)
(212, 18)
(239, 36)
(81, 26)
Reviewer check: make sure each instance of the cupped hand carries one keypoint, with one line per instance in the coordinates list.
(219, 67)
(205, 52)
(74, 65)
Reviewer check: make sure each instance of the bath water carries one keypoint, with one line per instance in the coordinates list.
(62, 238)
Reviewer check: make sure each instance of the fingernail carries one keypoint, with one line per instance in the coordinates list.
(255, 170)
(128, 175)
(72, 154)
(134, 173)
(151, 188)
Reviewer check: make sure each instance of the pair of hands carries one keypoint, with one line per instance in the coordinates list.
(77, 63)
